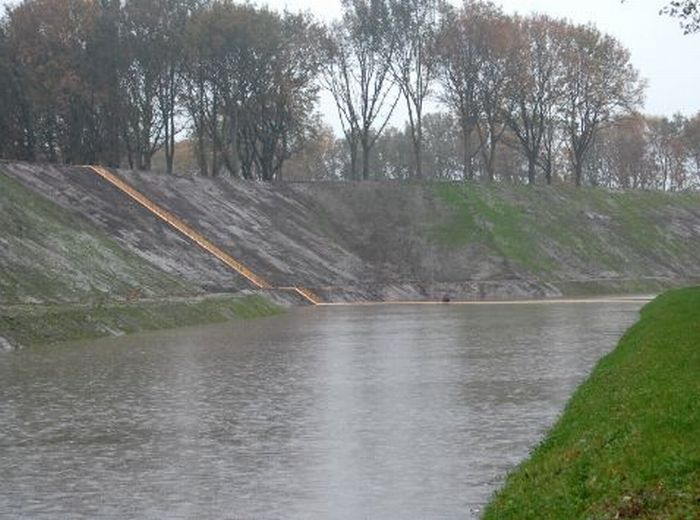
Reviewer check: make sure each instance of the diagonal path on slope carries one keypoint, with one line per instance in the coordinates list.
(195, 236)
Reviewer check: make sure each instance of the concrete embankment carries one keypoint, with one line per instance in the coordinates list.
(28, 325)
(382, 241)
(628, 443)
(69, 237)
(64, 276)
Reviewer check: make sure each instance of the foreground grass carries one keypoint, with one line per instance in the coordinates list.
(51, 324)
(628, 443)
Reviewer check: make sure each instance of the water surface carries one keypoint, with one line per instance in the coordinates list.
(389, 412)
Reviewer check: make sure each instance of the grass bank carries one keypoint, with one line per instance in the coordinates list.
(584, 241)
(628, 443)
(42, 324)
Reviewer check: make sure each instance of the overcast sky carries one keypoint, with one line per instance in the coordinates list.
(669, 60)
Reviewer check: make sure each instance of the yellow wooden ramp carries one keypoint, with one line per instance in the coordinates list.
(196, 237)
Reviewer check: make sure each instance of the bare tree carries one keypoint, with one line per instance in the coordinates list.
(493, 88)
(357, 72)
(251, 87)
(599, 84)
(415, 25)
(460, 63)
(142, 44)
(175, 15)
(284, 94)
(337, 77)
(473, 54)
(535, 85)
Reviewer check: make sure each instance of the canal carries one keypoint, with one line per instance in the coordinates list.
(386, 412)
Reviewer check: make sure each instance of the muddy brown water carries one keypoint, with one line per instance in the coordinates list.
(341, 412)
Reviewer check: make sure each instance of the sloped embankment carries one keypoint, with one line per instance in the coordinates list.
(42, 324)
(51, 254)
(628, 443)
(64, 276)
(391, 240)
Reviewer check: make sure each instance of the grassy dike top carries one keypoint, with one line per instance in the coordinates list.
(628, 443)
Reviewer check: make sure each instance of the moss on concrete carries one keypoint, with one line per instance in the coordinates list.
(562, 234)
(28, 325)
(52, 255)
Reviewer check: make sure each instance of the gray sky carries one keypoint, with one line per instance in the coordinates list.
(669, 60)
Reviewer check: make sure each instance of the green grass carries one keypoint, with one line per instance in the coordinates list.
(482, 216)
(35, 325)
(628, 443)
(554, 231)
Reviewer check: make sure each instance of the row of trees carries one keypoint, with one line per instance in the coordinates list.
(536, 79)
(119, 81)
(647, 153)
(113, 82)
(633, 151)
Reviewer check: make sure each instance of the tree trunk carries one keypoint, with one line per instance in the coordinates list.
(531, 169)
(578, 172)
(366, 149)
(418, 146)
(354, 149)
(488, 154)
(170, 123)
(201, 146)
(468, 163)
(490, 165)
(232, 148)
(468, 125)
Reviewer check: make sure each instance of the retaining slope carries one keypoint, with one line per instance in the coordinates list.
(393, 241)
(195, 236)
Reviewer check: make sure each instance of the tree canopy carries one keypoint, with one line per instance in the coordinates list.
(687, 11)
(230, 88)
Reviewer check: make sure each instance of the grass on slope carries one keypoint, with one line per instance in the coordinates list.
(42, 324)
(48, 254)
(628, 443)
(491, 221)
(549, 230)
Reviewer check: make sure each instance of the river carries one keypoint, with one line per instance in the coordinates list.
(379, 412)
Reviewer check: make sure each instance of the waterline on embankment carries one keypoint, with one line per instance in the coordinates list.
(549, 301)
(28, 325)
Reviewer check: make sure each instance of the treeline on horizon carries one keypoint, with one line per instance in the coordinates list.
(228, 88)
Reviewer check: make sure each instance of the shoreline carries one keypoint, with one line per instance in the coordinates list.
(35, 325)
(543, 301)
(627, 444)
